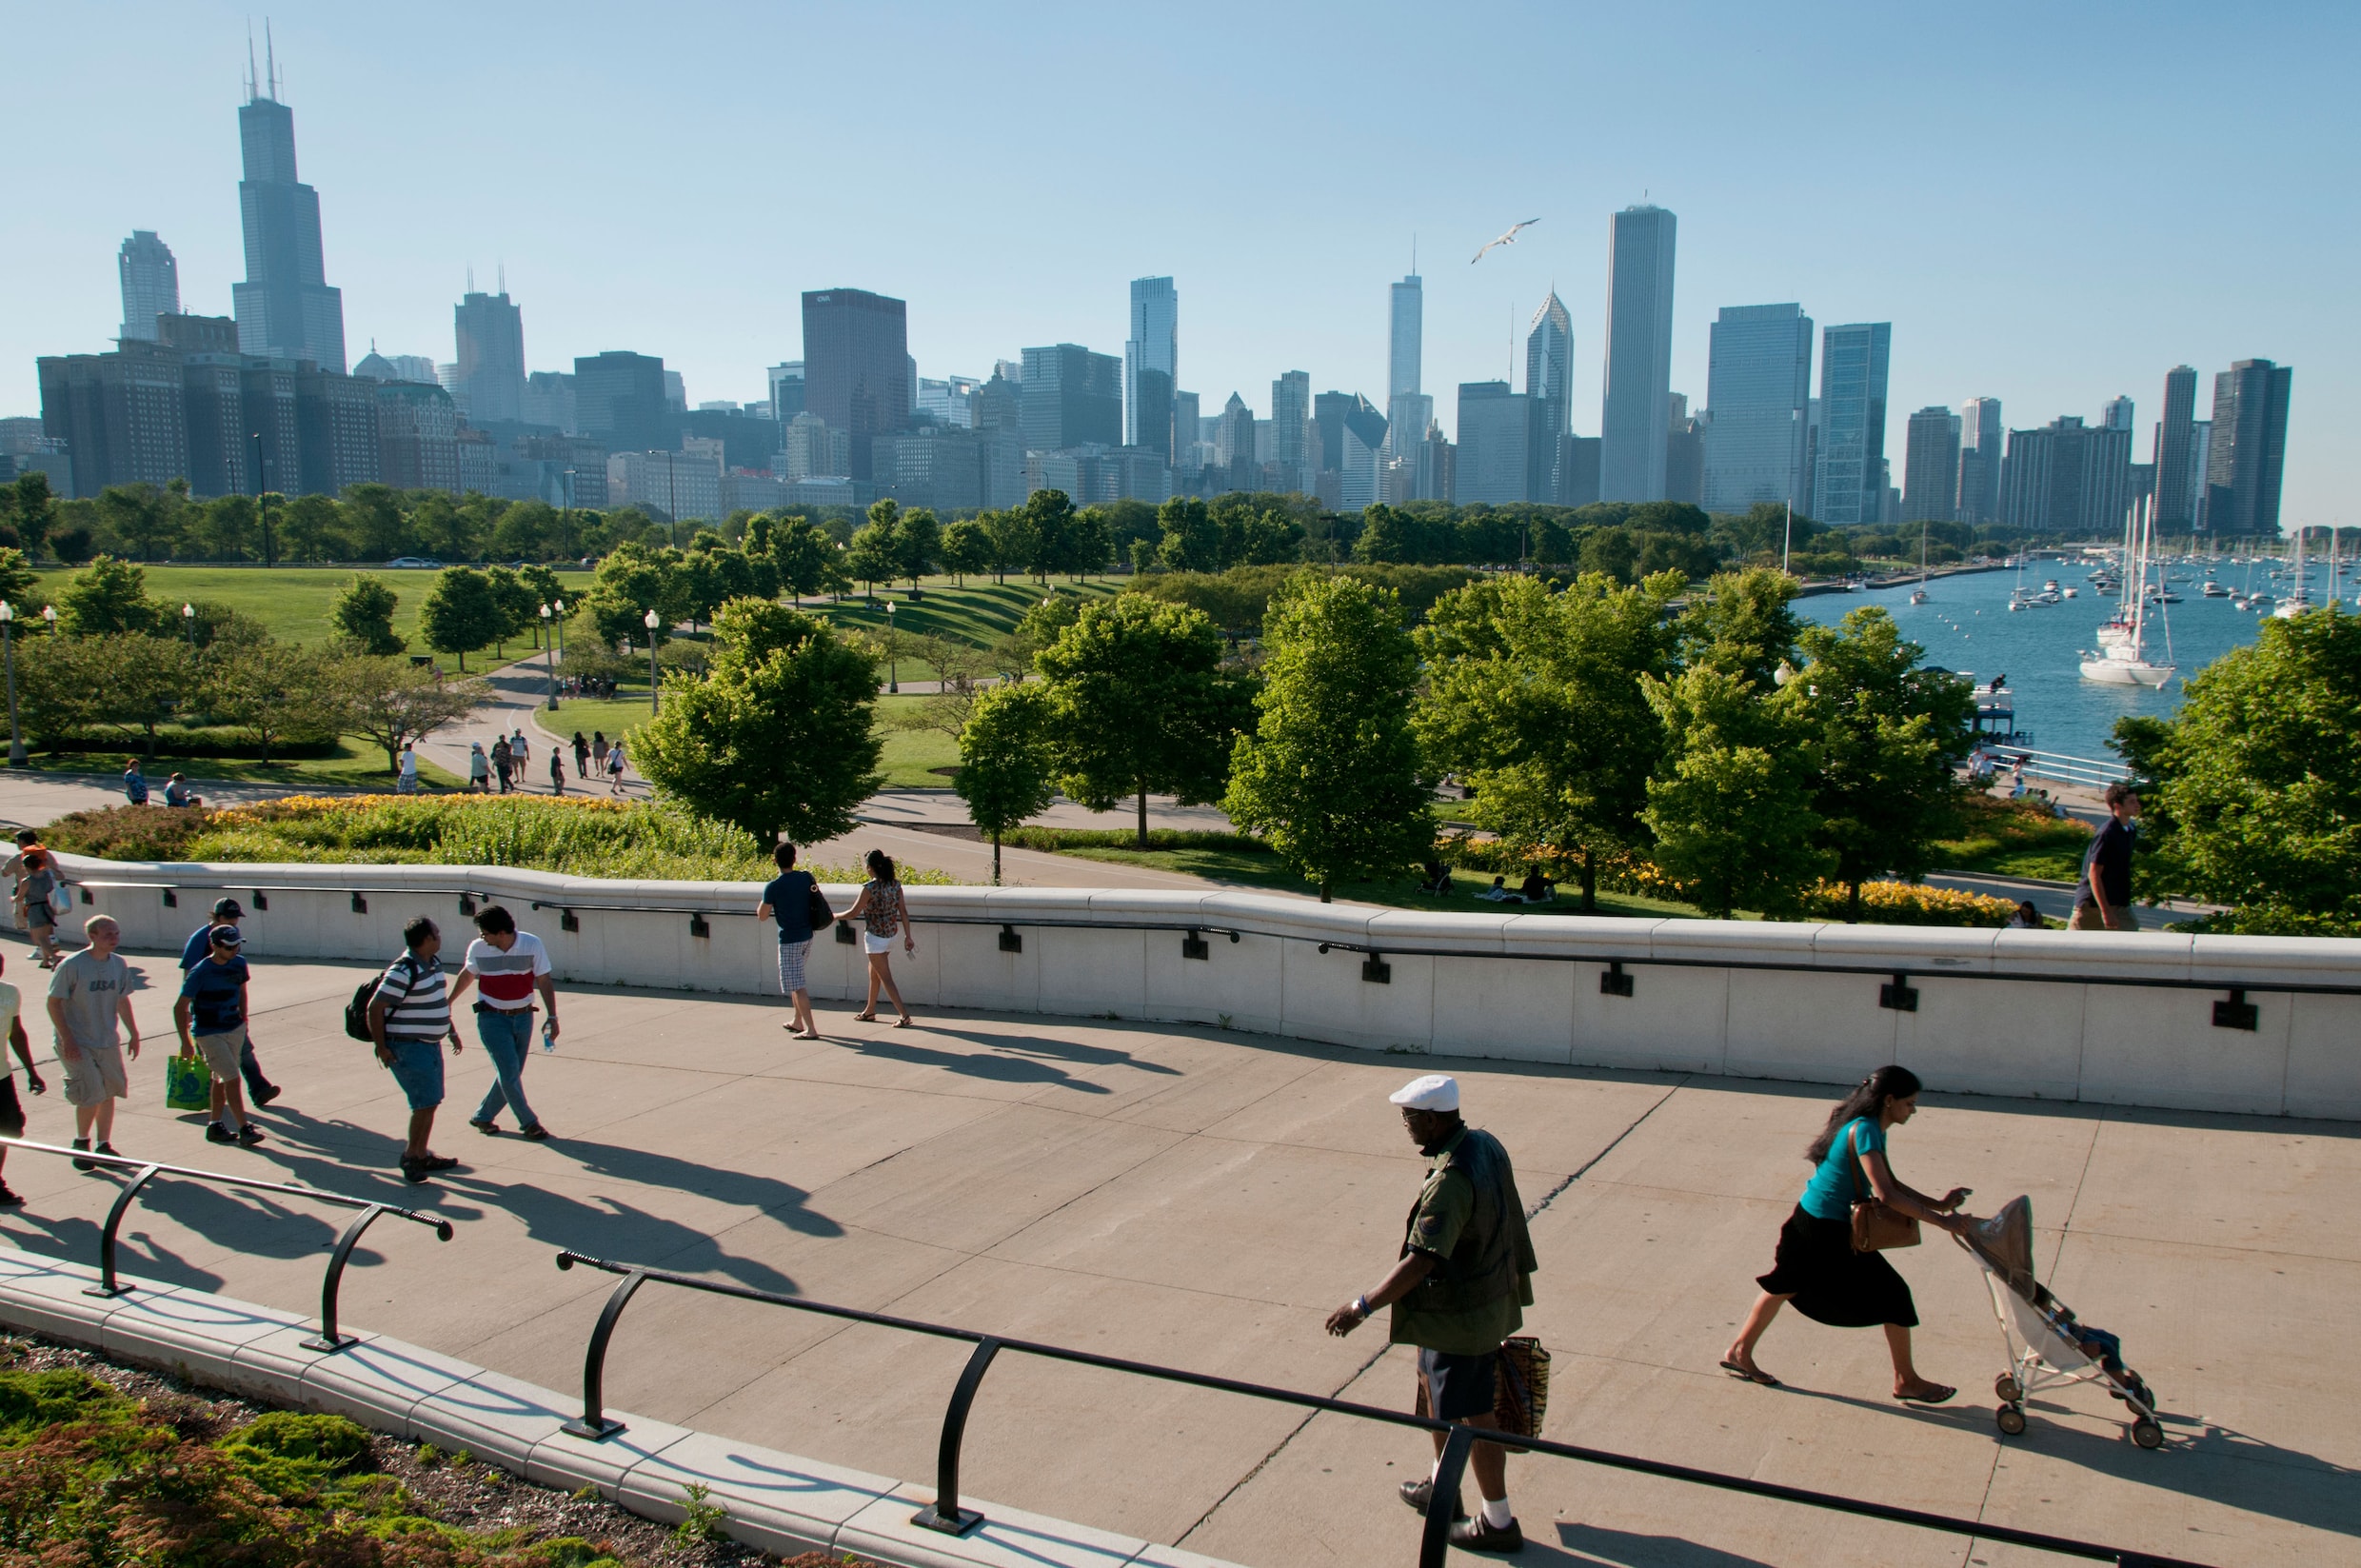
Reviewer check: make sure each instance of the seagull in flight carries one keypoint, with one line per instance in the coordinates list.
(1509, 238)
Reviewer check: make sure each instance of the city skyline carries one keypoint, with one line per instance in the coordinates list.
(983, 285)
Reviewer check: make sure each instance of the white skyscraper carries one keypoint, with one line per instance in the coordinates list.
(150, 282)
(1405, 338)
(1637, 411)
(1151, 364)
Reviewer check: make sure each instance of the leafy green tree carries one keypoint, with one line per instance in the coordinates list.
(362, 616)
(1330, 774)
(1051, 516)
(373, 517)
(109, 597)
(875, 554)
(142, 518)
(1731, 804)
(275, 691)
(390, 703)
(542, 586)
(1141, 704)
(518, 608)
(966, 549)
(462, 613)
(779, 737)
(1016, 536)
(231, 526)
(631, 582)
(17, 579)
(803, 553)
(1191, 540)
(125, 682)
(1535, 698)
(312, 528)
(1385, 537)
(1741, 625)
(1888, 736)
(919, 540)
(28, 506)
(1005, 761)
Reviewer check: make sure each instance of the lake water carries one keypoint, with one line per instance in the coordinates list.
(1966, 626)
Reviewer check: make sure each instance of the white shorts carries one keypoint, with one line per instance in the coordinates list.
(873, 944)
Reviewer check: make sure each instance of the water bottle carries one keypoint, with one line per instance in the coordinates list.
(549, 1034)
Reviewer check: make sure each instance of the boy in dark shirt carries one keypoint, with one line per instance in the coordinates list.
(2103, 901)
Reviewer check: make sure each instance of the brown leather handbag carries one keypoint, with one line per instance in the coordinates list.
(1877, 1225)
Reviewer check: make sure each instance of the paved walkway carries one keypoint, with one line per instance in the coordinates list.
(1203, 1198)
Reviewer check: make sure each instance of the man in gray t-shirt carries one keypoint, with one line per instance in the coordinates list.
(90, 992)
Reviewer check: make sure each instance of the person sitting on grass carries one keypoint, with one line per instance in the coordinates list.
(1537, 888)
(1498, 892)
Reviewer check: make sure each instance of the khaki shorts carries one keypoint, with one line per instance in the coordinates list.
(221, 1053)
(2086, 918)
(95, 1074)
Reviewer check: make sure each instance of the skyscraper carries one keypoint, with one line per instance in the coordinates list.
(1151, 364)
(1350, 433)
(2116, 414)
(619, 401)
(150, 282)
(285, 308)
(1637, 403)
(1070, 397)
(1405, 339)
(1757, 386)
(2249, 449)
(1931, 475)
(857, 366)
(2175, 500)
(2067, 477)
(1496, 444)
(1291, 413)
(490, 333)
(1549, 365)
(1982, 439)
(1850, 484)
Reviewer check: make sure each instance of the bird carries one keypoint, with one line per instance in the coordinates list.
(1509, 238)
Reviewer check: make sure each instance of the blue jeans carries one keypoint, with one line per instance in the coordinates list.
(507, 1039)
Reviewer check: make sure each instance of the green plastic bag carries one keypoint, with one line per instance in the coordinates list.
(188, 1084)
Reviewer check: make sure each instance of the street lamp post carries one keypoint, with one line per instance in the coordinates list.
(188, 620)
(650, 622)
(548, 658)
(7, 643)
(559, 606)
(893, 649)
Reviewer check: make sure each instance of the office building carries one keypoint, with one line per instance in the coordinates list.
(1290, 432)
(1185, 431)
(377, 367)
(787, 390)
(150, 282)
(935, 466)
(1548, 373)
(1151, 364)
(336, 424)
(620, 401)
(2116, 413)
(948, 402)
(809, 450)
(1070, 397)
(857, 371)
(1234, 446)
(1757, 391)
(2068, 477)
(1350, 433)
(679, 484)
(1638, 404)
(548, 402)
(1982, 440)
(999, 404)
(2248, 448)
(1931, 465)
(749, 439)
(1849, 484)
(2175, 497)
(285, 308)
(1495, 443)
(490, 334)
(1406, 411)
(2200, 453)
(1685, 456)
(417, 437)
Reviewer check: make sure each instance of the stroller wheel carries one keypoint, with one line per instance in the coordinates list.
(2147, 1432)
(2011, 1421)
(2005, 1388)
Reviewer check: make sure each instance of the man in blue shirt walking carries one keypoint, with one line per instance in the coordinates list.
(260, 1091)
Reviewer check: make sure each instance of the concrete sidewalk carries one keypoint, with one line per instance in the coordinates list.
(1203, 1198)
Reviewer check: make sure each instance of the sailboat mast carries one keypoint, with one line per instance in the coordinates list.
(2136, 525)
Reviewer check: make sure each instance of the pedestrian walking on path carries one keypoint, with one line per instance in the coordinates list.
(11, 1109)
(884, 915)
(210, 1016)
(479, 769)
(792, 899)
(616, 763)
(521, 753)
(89, 995)
(260, 1091)
(410, 1016)
(582, 757)
(2103, 901)
(557, 771)
(1818, 1265)
(135, 784)
(38, 886)
(598, 749)
(506, 966)
(1458, 1290)
(405, 783)
(504, 760)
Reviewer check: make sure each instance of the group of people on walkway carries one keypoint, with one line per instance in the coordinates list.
(794, 901)
(509, 756)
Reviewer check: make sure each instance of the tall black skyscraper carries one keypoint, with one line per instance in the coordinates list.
(285, 308)
(857, 366)
(2250, 448)
(1071, 397)
(489, 330)
(2175, 500)
(620, 401)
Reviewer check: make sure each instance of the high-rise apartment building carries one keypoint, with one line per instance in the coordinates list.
(285, 308)
(2116, 413)
(619, 401)
(2200, 452)
(857, 366)
(1234, 445)
(1930, 475)
(1151, 364)
(490, 333)
(2175, 498)
(2249, 449)
(1849, 486)
(1757, 387)
(150, 282)
(1982, 440)
(1638, 404)
(1496, 444)
(1291, 416)
(1070, 397)
(1350, 433)
(2067, 477)
(1684, 455)
(1405, 340)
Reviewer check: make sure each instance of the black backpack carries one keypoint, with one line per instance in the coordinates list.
(356, 1011)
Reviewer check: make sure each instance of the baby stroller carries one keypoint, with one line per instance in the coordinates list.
(2047, 1346)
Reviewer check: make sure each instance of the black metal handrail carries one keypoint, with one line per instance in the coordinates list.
(327, 1340)
(944, 1514)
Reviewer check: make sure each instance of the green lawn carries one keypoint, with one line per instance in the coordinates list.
(981, 613)
(2014, 839)
(356, 765)
(1258, 870)
(910, 756)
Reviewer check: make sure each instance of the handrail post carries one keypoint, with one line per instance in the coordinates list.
(1442, 1502)
(593, 1423)
(107, 1285)
(944, 1514)
(327, 1340)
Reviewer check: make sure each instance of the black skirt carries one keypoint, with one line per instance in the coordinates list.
(1831, 1282)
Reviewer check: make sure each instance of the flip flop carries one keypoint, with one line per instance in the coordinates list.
(1758, 1375)
(1929, 1399)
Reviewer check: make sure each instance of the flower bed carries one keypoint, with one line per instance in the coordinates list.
(1909, 903)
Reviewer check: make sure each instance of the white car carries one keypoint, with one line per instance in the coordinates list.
(409, 562)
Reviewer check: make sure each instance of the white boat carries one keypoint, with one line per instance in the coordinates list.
(2296, 600)
(2122, 659)
(2214, 590)
(2072, 593)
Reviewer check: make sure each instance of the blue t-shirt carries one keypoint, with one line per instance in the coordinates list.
(1841, 1179)
(200, 944)
(790, 896)
(212, 989)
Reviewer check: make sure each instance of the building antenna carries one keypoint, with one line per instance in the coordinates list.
(250, 73)
(471, 277)
(504, 279)
(270, 59)
(1414, 252)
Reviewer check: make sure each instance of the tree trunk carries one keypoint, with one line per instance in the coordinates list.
(1590, 884)
(1852, 899)
(1143, 813)
(996, 857)
(1323, 893)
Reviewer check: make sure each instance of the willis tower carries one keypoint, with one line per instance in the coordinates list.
(285, 308)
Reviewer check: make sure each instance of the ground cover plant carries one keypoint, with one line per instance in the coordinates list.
(2013, 839)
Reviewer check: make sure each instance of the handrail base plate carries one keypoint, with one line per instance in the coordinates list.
(326, 1346)
(966, 1521)
(598, 1431)
(106, 1293)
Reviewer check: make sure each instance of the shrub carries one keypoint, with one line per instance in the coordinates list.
(1909, 903)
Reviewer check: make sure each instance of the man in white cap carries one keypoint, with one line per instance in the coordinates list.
(1459, 1290)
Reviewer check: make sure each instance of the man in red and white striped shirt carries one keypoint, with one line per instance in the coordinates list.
(506, 966)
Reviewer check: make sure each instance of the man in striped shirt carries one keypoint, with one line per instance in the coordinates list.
(410, 1016)
(506, 966)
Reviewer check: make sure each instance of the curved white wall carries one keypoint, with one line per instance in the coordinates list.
(1522, 987)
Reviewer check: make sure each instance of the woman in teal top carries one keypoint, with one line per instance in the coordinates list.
(1816, 1266)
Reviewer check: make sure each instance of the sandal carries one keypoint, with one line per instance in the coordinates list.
(1938, 1394)
(866, 1018)
(1757, 1375)
(902, 1022)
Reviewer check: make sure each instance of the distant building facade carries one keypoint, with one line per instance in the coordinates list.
(2175, 497)
(489, 330)
(1151, 364)
(1758, 389)
(857, 372)
(2068, 477)
(1637, 411)
(1982, 443)
(1849, 486)
(620, 401)
(1931, 469)
(286, 307)
(2248, 448)
(151, 280)
(1070, 397)
(1495, 446)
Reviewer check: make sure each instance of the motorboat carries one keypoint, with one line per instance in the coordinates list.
(2214, 590)
(2072, 593)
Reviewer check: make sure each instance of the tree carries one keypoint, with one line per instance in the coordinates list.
(966, 549)
(1729, 803)
(1534, 698)
(391, 702)
(1006, 762)
(1888, 736)
(272, 691)
(919, 541)
(1016, 538)
(631, 582)
(803, 553)
(1330, 774)
(28, 506)
(1141, 706)
(126, 681)
(17, 579)
(875, 554)
(374, 513)
(1190, 542)
(311, 527)
(1741, 625)
(958, 668)
(780, 738)
(363, 615)
(542, 586)
(1051, 526)
(108, 598)
(462, 613)
(230, 525)
(514, 603)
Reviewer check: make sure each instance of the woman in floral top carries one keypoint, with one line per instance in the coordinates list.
(884, 915)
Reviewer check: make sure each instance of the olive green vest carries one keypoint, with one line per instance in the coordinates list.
(1493, 1251)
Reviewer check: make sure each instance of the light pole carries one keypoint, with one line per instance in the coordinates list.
(672, 504)
(188, 620)
(7, 643)
(559, 606)
(650, 622)
(893, 649)
(548, 658)
(1787, 538)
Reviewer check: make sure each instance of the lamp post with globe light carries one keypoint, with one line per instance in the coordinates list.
(7, 642)
(188, 620)
(651, 621)
(893, 649)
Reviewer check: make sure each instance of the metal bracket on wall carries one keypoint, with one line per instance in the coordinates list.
(172, 898)
(360, 905)
(697, 926)
(1898, 994)
(2237, 1013)
(568, 920)
(262, 899)
(1010, 941)
(466, 903)
(1615, 983)
(1194, 946)
(844, 935)
(1376, 970)
(88, 897)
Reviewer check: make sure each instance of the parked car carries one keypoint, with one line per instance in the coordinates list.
(415, 562)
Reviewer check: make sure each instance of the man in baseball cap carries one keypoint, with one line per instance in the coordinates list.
(260, 1091)
(1458, 1290)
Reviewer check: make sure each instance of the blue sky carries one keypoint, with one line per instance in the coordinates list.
(2053, 204)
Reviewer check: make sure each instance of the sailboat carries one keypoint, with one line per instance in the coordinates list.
(2296, 600)
(2126, 662)
(1918, 594)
